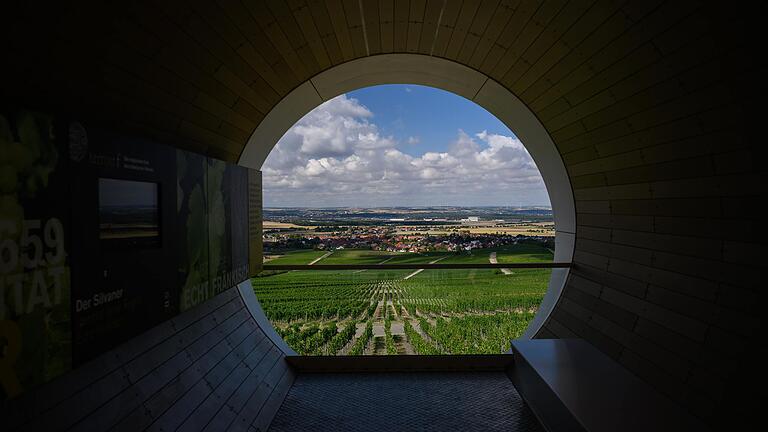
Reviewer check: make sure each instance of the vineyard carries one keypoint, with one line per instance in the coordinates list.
(387, 312)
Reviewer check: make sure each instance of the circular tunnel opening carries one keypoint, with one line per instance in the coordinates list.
(338, 161)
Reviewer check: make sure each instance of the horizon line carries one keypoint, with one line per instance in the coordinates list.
(413, 207)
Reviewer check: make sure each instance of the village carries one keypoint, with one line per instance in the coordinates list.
(396, 239)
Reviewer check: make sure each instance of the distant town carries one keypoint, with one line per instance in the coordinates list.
(400, 229)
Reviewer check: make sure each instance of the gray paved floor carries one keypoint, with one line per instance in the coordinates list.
(453, 402)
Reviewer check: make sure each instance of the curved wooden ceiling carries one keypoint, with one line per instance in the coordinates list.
(646, 101)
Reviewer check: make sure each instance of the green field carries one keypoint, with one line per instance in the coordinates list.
(379, 312)
(297, 257)
(354, 256)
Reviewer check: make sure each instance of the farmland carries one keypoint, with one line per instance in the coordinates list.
(386, 312)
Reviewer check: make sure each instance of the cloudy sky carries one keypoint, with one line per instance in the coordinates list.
(400, 145)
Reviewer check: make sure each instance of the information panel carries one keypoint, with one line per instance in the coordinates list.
(35, 336)
(124, 273)
(158, 231)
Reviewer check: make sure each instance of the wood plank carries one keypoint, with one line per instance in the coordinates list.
(355, 25)
(522, 14)
(444, 363)
(629, 41)
(202, 30)
(432, 13)
(260, 397)
(271, 29)
(387, 25)
(82, 404)
(460, 30)
(415, 24)
(259, 51)
(226, 379)
(239, 399)
(286, 20)
(485, 12)
(126, 84)
(325, 29)
(493, 30)
(372, 26)
(276, 398)
(593, 19)
(339, 21)
(570, 14)
(445, 29)
(401, 13)
(306, 23)
(528, 34)
(542, 92)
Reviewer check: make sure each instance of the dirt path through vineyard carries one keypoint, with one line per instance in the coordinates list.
(386, 305)
(421, 270)
(426, 337)
(402, 344)
(383, 262)
(320, 258)
(359, 330)
(492, 259)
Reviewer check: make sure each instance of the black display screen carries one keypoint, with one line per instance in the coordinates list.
(128, 212)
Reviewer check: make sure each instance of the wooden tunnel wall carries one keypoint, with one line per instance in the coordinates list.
(651, 104)
(211, 368)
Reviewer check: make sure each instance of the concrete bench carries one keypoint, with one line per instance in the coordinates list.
(572, 386)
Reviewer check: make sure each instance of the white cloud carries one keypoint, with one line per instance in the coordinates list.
(336, 156)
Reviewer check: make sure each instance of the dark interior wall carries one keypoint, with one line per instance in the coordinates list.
(211, 367)
(656, 108)
(659, 133)
(35, 258)
(105, 235)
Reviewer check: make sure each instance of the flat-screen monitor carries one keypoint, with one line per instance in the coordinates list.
(128, 212)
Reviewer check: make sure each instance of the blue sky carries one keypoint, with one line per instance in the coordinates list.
(429, 114)
(400, 145)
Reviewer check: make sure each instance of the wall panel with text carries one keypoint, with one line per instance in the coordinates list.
(103, 236)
